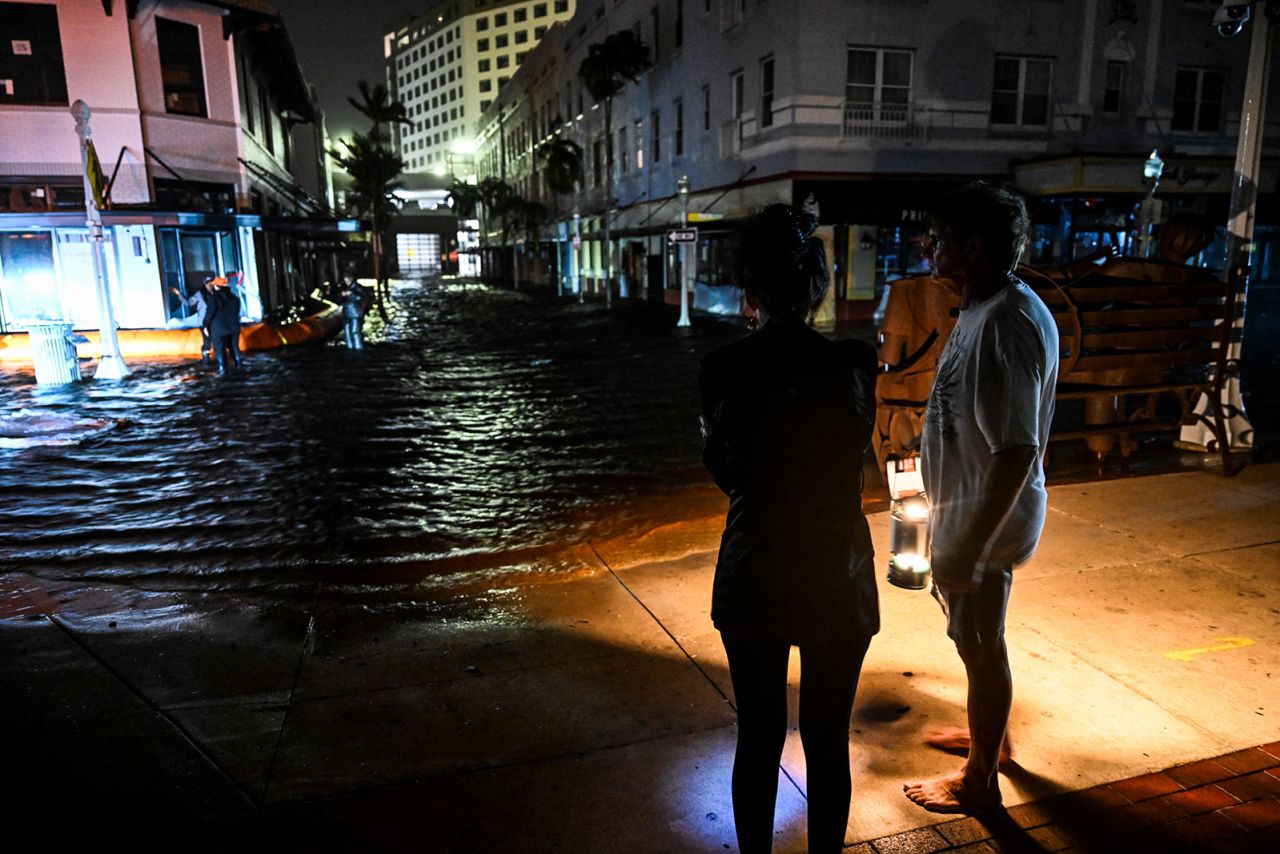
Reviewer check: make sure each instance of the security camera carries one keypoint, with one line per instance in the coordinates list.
(1231, 15)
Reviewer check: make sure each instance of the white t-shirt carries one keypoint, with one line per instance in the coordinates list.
(993, 390)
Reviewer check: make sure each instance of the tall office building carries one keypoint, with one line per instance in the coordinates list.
(448, 64)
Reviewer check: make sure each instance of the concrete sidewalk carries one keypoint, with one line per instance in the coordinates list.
(585, 705)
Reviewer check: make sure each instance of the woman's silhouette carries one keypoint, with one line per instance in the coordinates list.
(786, 418)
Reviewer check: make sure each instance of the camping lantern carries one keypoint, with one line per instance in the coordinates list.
(909, 525)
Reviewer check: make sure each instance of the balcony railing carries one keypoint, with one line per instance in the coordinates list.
(880, 120)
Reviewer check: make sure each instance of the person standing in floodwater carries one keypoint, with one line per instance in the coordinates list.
(786, 418)
(199, 299)
(354, 304)
(223, 319)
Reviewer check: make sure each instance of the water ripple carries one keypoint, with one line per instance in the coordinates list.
(477, 424)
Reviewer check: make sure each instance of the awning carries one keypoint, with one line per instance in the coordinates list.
(1122, 174)
(311, 226)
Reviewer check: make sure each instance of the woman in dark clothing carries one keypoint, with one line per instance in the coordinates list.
(786, 417)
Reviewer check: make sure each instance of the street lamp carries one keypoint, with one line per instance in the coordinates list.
(682, 186)
(111, 364)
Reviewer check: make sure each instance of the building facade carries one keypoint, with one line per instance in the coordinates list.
(862, 110)
(448, 65)
(209, 138)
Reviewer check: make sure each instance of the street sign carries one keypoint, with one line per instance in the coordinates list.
(682, 235)
(696, 216)
(97, 179)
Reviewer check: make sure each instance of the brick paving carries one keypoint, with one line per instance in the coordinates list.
(1226, 804)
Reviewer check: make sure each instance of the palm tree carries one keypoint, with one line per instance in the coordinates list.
(561, 162)
(375, 104)
(526, 218)
(609, 65)
(375, 173)
(370, 155)
(496, 197)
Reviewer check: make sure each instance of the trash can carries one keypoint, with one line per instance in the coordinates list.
(54, 353)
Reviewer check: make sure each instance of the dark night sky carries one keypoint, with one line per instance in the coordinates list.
(339, 42)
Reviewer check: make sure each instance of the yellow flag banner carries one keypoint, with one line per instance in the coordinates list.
(97, 178)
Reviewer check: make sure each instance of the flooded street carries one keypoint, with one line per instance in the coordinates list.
(481, 430)
(480, 426)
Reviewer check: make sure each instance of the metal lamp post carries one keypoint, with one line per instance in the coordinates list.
(1244, 198)
(682, 186)
(575, 254)
(110, 364)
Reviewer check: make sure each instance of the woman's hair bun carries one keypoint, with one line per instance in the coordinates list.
(806, 223)
(785, 265)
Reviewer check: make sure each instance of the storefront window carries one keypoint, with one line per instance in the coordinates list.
(718, 260)
(28, 279)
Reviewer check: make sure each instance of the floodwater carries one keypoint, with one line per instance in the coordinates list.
(479, 434)
(478, 427)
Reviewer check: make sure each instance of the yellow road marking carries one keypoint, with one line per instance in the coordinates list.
(1222, 643)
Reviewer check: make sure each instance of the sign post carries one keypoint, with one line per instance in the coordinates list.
(110, 364)
(683, 236)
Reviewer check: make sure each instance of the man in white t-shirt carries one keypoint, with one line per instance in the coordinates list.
(985, 432)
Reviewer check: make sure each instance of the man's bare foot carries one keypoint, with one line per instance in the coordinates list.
(950, 794)
(955, 740)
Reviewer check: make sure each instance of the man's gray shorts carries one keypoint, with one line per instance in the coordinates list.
(977, 616)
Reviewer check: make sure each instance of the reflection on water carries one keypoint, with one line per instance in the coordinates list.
(479, 426)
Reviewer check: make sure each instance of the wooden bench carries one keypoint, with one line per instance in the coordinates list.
(1131, 333)
(1138, 331)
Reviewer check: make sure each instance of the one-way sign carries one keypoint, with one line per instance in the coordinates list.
(682, 235)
